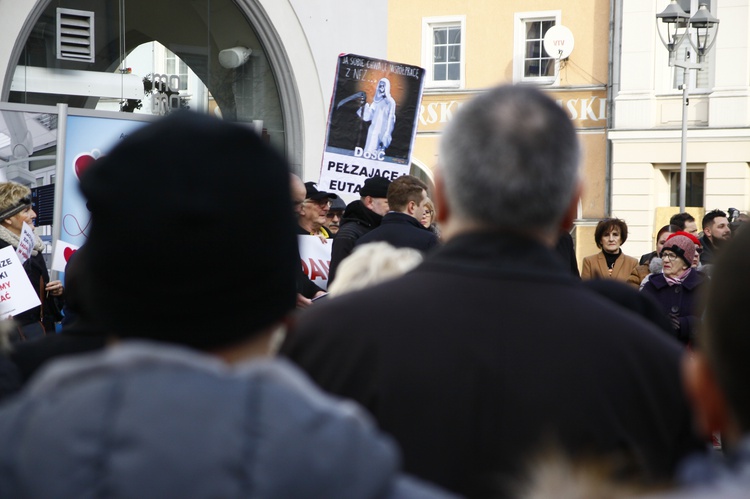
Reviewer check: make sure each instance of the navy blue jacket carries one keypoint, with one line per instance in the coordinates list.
(680, 300)
(402, 231)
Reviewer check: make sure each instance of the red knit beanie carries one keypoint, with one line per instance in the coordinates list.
(681, 244)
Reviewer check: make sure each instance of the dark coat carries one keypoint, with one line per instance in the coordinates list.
(402, 231)
(708, 254)
(514, 353)
(358, 220)
(681, 300)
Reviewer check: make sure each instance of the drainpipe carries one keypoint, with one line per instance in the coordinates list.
(613, 88)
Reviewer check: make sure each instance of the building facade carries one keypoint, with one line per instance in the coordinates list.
(646, 133)
(468, 46)
(268, 63)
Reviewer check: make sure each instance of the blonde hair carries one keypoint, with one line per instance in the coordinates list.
(372, 264)
(431, 206)
(11, 193)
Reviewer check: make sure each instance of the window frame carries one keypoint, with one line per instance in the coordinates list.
(429, 24)
(519, 45)
(672, 178)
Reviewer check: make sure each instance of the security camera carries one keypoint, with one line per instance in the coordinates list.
(234, 57)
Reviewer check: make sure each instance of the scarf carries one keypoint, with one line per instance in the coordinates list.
(679, 279)
(13, 240)
(611, 258)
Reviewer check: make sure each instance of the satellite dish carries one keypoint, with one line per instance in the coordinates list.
(558, 42)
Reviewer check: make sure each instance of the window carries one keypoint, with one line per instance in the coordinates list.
(698, 79)
(693, 188)
(175, 66)
(531, 62)
(443, 51)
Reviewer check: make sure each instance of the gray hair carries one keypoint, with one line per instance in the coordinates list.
(510, 160)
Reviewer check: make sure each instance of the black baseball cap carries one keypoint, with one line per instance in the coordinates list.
(311, 192)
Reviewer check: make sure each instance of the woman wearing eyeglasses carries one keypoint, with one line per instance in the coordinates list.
(428, 217)
(678, 287)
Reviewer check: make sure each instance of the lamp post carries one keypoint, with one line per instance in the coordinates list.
(680, 26)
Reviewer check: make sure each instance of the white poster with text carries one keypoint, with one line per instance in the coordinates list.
(372, 123)
(16, 292)
(315, 257)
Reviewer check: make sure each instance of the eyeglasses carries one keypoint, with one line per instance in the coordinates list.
(699, 250)
(332, 214)
(668, 256)
(429, 212)
(320, 202)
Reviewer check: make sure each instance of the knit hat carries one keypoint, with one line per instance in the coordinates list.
(337, 204)
(169, 255)
(376, 187)
(682, 246)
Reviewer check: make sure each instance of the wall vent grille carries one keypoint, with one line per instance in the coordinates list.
(75, 35)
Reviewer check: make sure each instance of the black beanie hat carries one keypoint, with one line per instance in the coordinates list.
(376, 187)
(171, 255)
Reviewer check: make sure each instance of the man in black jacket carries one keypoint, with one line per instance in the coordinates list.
(401, 226)
(360, 217)
(513, 355)
(716, 233)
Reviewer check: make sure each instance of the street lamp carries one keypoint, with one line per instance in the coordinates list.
(680, 26)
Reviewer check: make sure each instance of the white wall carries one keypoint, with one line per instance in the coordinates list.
(647, 131)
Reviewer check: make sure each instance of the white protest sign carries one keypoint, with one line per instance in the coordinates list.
(16, 292)
(61, 255)
(315, 257)
(25, 243)
(372, 123)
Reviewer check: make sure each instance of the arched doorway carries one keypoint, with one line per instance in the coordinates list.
(218, 56)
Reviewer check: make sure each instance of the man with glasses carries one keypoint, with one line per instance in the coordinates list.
(312, 215)
(306, 289)
(334, 216)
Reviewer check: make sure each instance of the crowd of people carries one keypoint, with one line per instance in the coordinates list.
(456, 349)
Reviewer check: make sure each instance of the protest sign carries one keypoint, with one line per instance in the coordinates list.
(315, 257)
(61, 255)
(16, 292)
(372, 123)
(25, 243)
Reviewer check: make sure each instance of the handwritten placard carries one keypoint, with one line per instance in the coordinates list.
(25, 243)
(16, 292)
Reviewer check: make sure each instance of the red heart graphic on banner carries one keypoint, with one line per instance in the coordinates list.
(82, 162)
(68, 252)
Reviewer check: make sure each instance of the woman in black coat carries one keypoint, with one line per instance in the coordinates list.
(15, 211)
(678, 286)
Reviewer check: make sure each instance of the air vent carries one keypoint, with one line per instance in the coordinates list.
(75, 35)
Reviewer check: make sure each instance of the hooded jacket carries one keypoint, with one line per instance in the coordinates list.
(147, 419)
